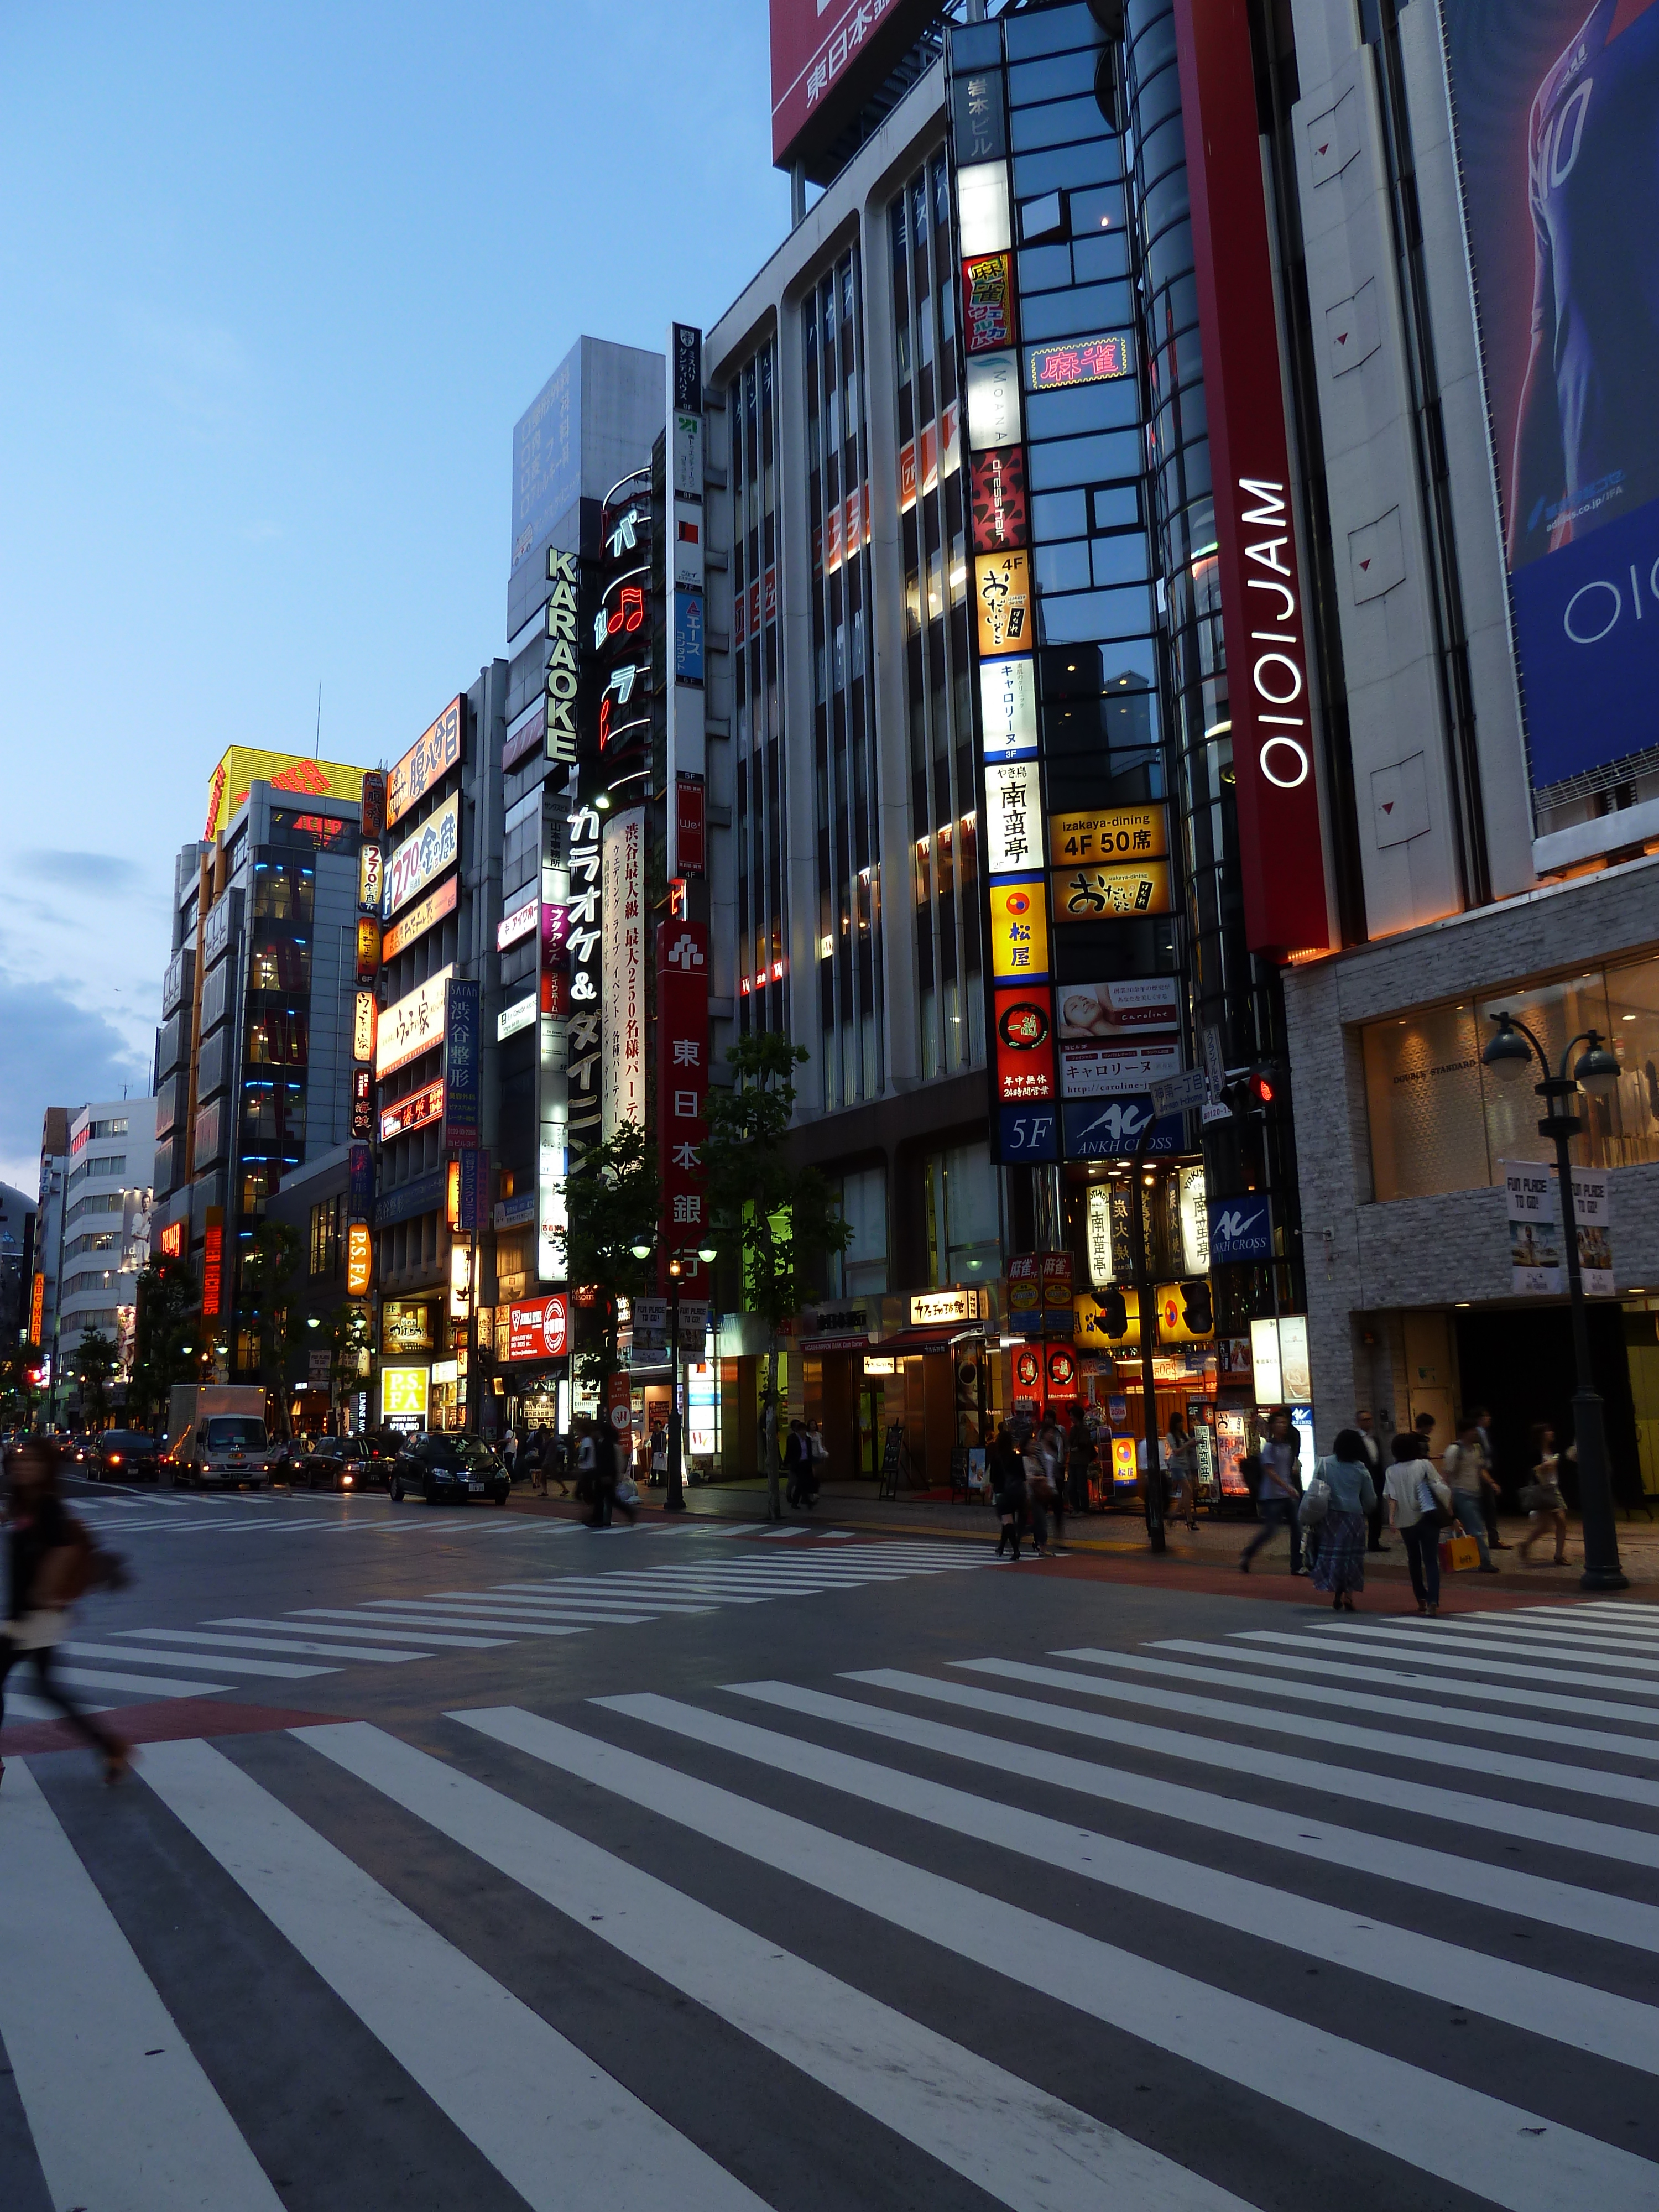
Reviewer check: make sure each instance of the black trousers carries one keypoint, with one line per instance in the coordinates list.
(55, 1694)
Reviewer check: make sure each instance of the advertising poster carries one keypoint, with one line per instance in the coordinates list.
(1002, 594)
(1537, 1253)
(1025, 1287)
(1019, 931)
(1125, 1009)
(994, 411)
(1056, 1275)
(1554, 103)
(988, 302)
(538, 1328)
(997, 497)
(1025, 1045)
(1013, 817)
(1117, 892)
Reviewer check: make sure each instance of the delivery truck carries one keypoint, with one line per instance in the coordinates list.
(216, 1434)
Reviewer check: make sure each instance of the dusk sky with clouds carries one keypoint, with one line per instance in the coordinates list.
(277, 284)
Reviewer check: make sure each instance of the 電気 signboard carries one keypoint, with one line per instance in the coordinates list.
(428, 760)
(421, 857)
(1554, 104)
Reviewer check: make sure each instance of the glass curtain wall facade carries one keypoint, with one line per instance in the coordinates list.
(932, 524)
(1232, 991)
(760, 772)
(845, 821)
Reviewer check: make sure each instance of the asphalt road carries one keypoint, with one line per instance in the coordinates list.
(475, 1860)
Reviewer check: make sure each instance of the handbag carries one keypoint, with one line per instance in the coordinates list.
(1459, 1555)
(1315, 1503)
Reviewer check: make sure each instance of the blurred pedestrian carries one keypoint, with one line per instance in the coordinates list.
(1546, 1509)
(1079, 1458)
(1417, 1497)
(531, 1463)
(1491, 1490)
(1181, 1470)
(1051, 1443)
(1007, 1476)
(51, 1560)
(1462, 1468)
(605, 1476)
(1280, 1490)
(1422, 1430)
(1339, 1564)
(1377, 1514)
(1038, 1494)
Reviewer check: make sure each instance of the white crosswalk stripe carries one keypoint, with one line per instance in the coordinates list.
(1026, 1838)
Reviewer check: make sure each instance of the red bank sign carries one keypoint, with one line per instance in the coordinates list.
(824, 52)
(1263, 615)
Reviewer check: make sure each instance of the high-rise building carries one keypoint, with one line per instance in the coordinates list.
(104, 1239)
(40, 1322)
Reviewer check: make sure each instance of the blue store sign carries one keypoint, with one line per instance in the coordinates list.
(1241, 1228)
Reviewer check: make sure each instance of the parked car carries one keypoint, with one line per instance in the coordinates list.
(451, 1469)
(343, 1463)
(123, 1456)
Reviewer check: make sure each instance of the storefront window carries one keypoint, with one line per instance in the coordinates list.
(1423, 1091)
(861, 1270)
(964, 1243)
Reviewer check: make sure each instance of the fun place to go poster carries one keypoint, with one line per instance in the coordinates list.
(1556, 106)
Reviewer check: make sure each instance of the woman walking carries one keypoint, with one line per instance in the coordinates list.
(1038, 1491)
(1546, 1509)
(1280, 1490)
(1339, 1563)
(1180, 1471)
(48, 1550)
(1008, 1487)
(1417, 1497)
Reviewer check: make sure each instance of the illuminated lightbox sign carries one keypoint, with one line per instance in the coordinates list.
(1007, 704)
(1125, 1009)
(420, 918)
(993, 415)
(360, 1259)
(1024, 1045)
(428, 760)
(1077, 360)
(435, 846)
(413, 1112)
(1019, 931)
(1002, 594)
(520, 923)
(404, 1395)
(369, 879)
(363, 1023)
(412, 1024)
(518, 1016)
(1099, 1071)
(539, 1329)
(1109, 833)
(988, 302)
(1112, 893)
(1013, 817)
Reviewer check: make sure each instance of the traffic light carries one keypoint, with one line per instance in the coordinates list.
(1114, 1312)
(1264, 1085)
(1198, 1307)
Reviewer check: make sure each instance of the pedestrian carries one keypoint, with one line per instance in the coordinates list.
(531, 1464)
(605, 1476)
(510, 1454)
(1491, 1490)
(768, 1424)
(1280, 1490)
(1417, 1497)
(1181, 1465)
(1422, 1430)
(819, 1450)
(50, 1555)
(626, 1495)
(1546, 1509)
(659, 1455)
(1007, 1476)
(1051, 1444)
(1038, 1494)
(1015, 1493)
(1339, 1564)
(587, 1465)
(1375, 1519)
(797, 1459)
(1080, 1455)
(1462, 1468)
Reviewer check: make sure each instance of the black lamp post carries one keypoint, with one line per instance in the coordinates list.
(675, 1501)
(1509, 1056)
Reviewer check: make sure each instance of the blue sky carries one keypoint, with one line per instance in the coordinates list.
(276, 283)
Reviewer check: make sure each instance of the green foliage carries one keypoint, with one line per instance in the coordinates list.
(264, 1279)
(613, 1197)
(94, 1362)
(780, 1221)
(168, 1317)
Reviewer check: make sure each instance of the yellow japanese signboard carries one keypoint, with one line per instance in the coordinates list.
(244, 766)
(1114, 893)
(1019, 930)
(1109, 833)
(1002, 592)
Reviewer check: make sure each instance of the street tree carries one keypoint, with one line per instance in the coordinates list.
(613, 1196)
(94, 1362)
(264, 1280)
(167, 1318)
(779, 1220)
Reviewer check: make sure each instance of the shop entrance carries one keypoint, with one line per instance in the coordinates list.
(871, 1434)
(1517, 1361)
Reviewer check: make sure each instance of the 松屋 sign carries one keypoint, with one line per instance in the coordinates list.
(1537, 1248)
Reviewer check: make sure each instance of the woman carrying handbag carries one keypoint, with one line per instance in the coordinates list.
(1417, 1496)
(1349, 1495)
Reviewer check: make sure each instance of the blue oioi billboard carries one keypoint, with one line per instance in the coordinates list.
(1557, 109)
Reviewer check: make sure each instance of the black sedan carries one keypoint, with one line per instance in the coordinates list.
(449, 1470)
(122, 1455)
(344, 1463)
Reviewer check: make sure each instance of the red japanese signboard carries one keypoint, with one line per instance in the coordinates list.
(539, 1329)
(681, 1078)
(826, 57)
(688, 824)
(988, 302)
(1001, 519)
(1025, 1043)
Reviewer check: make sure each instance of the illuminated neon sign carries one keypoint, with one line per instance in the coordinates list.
(1078, 361)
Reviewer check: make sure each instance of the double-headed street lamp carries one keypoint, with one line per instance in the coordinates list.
(675, 1501)
(1509, 1056)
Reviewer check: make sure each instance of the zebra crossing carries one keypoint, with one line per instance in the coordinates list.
(253, 1653)
(1071, 1932)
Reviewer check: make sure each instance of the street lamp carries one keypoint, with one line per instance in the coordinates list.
(1510, 1057)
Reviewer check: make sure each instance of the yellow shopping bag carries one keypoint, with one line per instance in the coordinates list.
(1459, 1555)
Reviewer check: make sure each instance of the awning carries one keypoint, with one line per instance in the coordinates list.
(905, 1343)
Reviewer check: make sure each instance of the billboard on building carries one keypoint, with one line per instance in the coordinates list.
(428, 760)
(623, 921)
(828, 57)
(412, 1025)
(1554, 108)
(435, 846)
(243, 766)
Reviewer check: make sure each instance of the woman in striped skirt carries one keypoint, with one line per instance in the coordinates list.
(1339, 1563)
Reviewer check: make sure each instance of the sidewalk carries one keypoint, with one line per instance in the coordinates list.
(1214, 1546)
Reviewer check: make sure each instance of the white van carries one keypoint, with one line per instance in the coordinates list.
(216, 1434)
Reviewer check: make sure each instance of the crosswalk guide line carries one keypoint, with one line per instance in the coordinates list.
(1514, 1643)
(560, 2129)
(1509, 1663)
(1608, 2027)
(120, 2110)
(1467, 1759)
(1564, 1831)
(1503, 1889)
(1022, 2146)
(1474, 1678)
(1444, 1712)
(1459, 2134)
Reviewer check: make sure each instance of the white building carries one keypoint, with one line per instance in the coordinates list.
(106, 1231)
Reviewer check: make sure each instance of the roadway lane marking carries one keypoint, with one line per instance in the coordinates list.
(1007, 2137)
(127, 1653)
(1539, 2003)
(1501, 1889)
(1445, 1712)
(559, 2130)
(266, 1643)
(88, 2037)
(1466, 1759)
(1563, 1831)
(1495, 2149)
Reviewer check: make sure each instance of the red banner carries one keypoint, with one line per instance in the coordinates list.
(689, 824)
(682, 1079)
(1281, 850)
